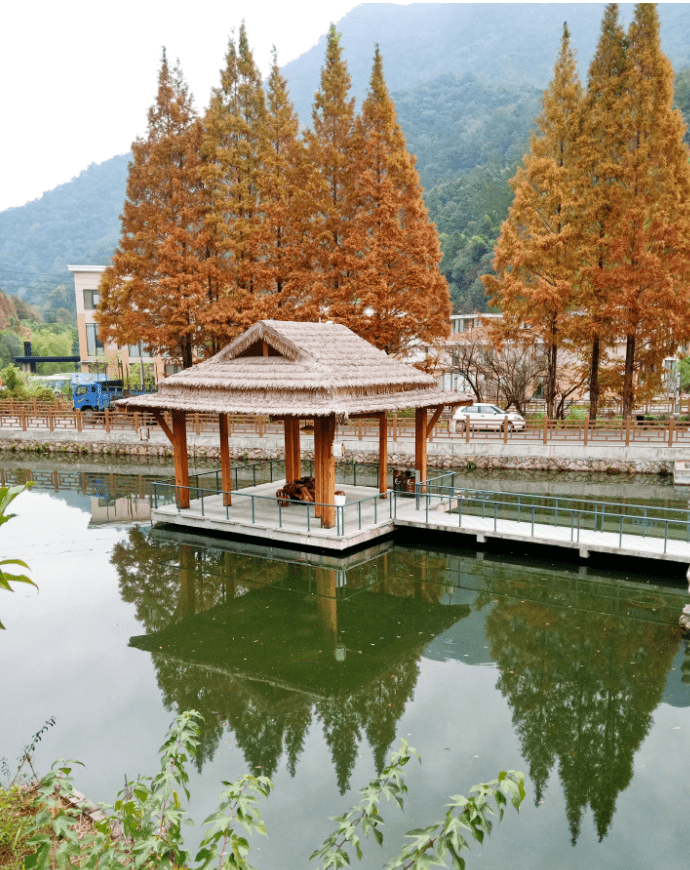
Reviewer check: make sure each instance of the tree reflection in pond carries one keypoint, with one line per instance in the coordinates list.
(582, 687)
(267, 648)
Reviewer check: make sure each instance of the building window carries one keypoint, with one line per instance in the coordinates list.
(94, 347)
(91, 299)
(134, 351)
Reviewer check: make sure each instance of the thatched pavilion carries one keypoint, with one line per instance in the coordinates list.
(297, 371)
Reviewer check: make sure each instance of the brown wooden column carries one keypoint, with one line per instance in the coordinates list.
(297, 454)
(292, 451)
(225, 472)
(179, 431)
(383, 455)
(288, 434)
(318, 465)
(328, 517)
(420, 442)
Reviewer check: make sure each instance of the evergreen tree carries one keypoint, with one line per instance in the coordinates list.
(154, 288)
(536, 256)
(600, 153)
(647, 254)
(232, 151)
(330, 152)
(400, 295)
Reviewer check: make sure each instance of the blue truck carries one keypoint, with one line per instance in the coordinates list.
(95, 395)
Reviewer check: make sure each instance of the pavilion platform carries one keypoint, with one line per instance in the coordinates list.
(256, 513)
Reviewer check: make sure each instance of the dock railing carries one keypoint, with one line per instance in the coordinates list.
(209, 500)
(572, 513)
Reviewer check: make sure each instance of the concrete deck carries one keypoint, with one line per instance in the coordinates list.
(295, 525)
(587, 542)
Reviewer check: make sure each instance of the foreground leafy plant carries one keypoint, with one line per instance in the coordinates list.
(144, 828)
(7, 496)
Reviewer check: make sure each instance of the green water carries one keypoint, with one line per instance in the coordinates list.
(309, 669)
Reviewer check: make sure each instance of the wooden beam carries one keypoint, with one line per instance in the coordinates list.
(420, 442)
(179, 432)
(160, 419)
(328, 471)
(434, 420)
(383, 455)
(264, 347)
(225, 471)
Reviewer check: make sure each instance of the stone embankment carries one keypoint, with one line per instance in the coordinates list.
(526, 456)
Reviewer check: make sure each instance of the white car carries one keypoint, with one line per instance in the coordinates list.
(485, 416)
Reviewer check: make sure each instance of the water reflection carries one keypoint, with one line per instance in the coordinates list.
(268, 644)
(267, 647)
(582, 684)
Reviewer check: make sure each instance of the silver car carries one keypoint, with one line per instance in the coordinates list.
(485, 416)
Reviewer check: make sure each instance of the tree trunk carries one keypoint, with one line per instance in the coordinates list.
(594, 379)
(550, 385)
(628, 386)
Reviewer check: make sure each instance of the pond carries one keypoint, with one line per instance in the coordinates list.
(310, 669)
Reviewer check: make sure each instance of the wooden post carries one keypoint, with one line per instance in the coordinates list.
(106, 417)
(328, 471)
(420, 442)
(383, 455)
(505, 429)
(289, 452)
(671, 427)
(546, 427)
(296, 452)
(225, 471)
(179, 430)
(395, 425)
(586, 429)
(318, 465)
(628, 421)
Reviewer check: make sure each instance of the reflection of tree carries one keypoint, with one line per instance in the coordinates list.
(250, 642)
(583, 687)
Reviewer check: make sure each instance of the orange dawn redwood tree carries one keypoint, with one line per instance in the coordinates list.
(601, 149)
(232, 152)
(537, 252)
(646, 274)
(400, 294)
(330, 152)
(154, 288)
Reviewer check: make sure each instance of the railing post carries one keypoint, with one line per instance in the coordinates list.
(505, 429)
(23, 418)
(546, 427)
(467, 428)
(586, 429)
(628, 421)
(395, 427)
(107, 420)
(671, 426)
(79, 421)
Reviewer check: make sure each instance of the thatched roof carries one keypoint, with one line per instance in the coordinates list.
(287, 368)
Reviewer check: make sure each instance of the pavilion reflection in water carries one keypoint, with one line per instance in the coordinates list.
(252, 637)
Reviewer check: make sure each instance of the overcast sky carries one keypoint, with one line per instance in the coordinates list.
(78, 77)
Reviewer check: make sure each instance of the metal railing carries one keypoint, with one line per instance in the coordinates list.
(208, 501)
(573, 514)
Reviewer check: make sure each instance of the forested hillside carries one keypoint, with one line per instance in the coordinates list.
(466, 82)
(76, 222)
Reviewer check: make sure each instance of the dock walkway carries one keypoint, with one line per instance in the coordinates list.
(605, 527)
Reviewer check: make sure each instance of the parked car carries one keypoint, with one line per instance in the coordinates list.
(485, 416)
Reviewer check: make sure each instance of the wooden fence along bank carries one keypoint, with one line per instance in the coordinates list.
(31, 417)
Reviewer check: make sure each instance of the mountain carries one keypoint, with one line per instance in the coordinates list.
(513, 43)
(466, 80)
(76, 222)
